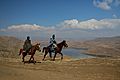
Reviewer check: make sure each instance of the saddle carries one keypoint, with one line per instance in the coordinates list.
(28, 53)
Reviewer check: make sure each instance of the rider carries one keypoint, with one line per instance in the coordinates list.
(27, 45)
(53, 43)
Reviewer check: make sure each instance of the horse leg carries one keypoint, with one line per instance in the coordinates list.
(30, 58)
(61, 56)
(33, 60)
(23, 57)
(54, 56)
(45, 55)
(20, 51)
(50, 54)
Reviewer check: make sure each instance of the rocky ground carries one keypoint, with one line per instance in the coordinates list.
(68, 69)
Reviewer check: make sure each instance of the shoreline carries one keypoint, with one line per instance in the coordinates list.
(83, 51)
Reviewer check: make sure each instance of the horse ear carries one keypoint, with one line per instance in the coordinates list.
(38, 43)
(64, 41)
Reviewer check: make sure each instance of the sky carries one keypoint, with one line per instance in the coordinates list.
(74, 19)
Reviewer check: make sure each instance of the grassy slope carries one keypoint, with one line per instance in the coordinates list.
(9, 46)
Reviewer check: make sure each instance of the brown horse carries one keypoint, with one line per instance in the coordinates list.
(57, 50)
(32, 52)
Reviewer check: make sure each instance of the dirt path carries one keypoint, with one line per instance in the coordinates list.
(84, 69)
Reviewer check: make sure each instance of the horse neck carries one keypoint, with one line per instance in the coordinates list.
(60, 45)
(33, 48)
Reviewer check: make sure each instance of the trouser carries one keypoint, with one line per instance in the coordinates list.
(53, 47)
(27, 49)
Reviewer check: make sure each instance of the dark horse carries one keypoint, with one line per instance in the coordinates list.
(57, 50)
(32, 52)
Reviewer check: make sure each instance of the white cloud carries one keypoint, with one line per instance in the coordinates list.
(26, 28)
(108, 1)
(105, 4)
(91, 24)
(68, 28)
(114, 16)
(117, 2)
(3, 30)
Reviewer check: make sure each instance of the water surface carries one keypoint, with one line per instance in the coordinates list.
(75, 53)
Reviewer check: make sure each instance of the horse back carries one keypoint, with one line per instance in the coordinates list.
(45, 49)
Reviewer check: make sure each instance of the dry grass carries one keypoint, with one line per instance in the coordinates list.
(84, 69)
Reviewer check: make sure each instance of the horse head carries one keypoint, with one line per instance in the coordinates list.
(37, 47)
(64, 43)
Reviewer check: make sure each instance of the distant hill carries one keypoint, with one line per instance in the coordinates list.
(9, 46)
(104, 46)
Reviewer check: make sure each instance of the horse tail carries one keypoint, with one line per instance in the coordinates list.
(20, 51)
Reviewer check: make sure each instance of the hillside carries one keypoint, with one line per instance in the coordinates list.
(12, 67)
(106, 46)
(9, 46)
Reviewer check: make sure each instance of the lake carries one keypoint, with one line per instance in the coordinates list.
(75, 53)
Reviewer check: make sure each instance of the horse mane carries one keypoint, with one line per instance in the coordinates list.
(36, 44)
(60, 43)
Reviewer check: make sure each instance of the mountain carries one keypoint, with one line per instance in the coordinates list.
(104, 46)
(9, 46)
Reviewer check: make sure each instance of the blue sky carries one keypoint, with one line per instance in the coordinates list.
(53, 14)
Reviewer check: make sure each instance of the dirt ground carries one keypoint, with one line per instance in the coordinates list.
(68, 69)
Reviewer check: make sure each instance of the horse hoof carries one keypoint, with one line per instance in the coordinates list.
(34, 62)
(29, 61)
